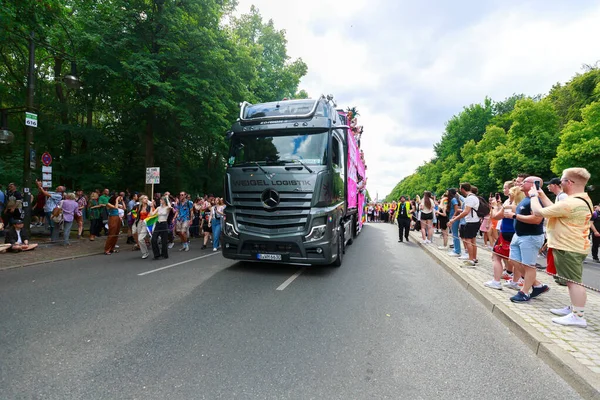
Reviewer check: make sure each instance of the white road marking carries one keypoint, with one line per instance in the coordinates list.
(179, 263)
(291, 279)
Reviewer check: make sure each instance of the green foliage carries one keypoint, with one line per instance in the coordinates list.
(580, 143)
(161, 83)
(487, 144)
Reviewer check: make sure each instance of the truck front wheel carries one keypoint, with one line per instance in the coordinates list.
(340, 249)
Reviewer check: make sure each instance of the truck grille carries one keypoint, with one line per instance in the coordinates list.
(290, 216)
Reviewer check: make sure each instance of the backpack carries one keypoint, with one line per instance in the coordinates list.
(484, 208)
(57, 214)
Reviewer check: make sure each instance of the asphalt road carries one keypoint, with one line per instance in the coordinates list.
(388, 324)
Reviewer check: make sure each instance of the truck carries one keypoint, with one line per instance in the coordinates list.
(292, 184)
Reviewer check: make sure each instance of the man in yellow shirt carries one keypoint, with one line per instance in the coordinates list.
(568, 228)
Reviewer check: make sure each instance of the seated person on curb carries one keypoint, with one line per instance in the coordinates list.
(17, 238)
(568, 227)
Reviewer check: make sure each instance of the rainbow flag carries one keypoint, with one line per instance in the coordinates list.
(150, 222)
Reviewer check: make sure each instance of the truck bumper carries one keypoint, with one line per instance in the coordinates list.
(292, 249)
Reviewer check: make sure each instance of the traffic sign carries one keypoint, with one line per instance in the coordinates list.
(153, 176)
(32, 157)
(31, 119)
(47, 170)
(46, 184)
(46, 159)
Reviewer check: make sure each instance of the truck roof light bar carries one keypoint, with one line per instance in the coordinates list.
(310, 114)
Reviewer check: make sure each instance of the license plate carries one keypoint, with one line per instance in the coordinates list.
(269, 257)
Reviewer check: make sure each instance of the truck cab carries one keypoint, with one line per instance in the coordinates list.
(286, 184)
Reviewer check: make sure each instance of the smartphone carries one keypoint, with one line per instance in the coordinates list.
(498, 196)
(537, 185)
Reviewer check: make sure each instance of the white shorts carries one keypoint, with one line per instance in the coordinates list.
(182, 226)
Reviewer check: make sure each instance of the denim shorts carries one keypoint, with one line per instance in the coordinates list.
(525, 249)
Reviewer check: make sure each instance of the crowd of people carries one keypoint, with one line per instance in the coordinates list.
(517, 227)
(148, 223)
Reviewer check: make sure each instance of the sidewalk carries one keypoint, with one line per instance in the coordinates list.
(49, 252)
(574, 353)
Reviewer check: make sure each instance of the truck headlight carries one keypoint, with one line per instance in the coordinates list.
(230, 230)
(316, 233)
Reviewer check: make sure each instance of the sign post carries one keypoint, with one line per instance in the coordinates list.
(152, 177)
(31, 119)
(46, 170)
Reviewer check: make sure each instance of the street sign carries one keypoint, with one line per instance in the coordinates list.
(46, 159)
(47, 169)
(32, 161)
(31, 119)
(46, 184)
(46, 177)
(153, 176)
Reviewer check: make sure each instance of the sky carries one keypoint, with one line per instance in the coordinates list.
(409, 66)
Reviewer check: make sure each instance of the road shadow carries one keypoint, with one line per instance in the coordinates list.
(276, 269)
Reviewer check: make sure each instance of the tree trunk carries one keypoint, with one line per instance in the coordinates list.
(64, 119)
(149, 139)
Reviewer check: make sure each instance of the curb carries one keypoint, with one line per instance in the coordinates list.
(49, 261)
(564, 364)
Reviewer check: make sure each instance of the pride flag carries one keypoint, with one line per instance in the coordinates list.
(150, 222)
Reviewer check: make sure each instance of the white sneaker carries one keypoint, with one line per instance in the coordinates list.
(443, 248)
(561, 311)
(182, 248)
(171, 245)
(571, 320)
(144, 256)
(468, 264)
(493, 284)
(512, 285)
(453, 254)
(187, 247)
(214, 249)
(464, 257)
(425, 241)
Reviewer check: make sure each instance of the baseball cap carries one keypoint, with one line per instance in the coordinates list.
(553, 181)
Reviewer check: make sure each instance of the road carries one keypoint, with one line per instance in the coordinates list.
(388, 324)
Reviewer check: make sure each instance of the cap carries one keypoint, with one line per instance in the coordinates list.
(17, 221)
(553, 181)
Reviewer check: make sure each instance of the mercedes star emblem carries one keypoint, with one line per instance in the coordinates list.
(270, 198)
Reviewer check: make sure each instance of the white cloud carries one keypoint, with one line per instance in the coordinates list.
(408, 67)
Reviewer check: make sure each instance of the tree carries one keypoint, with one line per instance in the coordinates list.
(161, 80)
(470, 124)
(580, 144)
(533, 137)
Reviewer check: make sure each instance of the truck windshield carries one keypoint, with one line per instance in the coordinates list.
(311, 148)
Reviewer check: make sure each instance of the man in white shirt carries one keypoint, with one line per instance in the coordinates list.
(555, 187)
(473, 222)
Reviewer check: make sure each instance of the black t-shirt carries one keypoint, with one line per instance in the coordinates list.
(596, 220)
(16, 195)
(522, 228)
